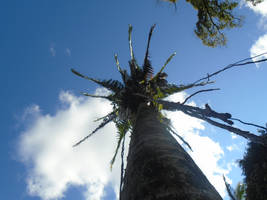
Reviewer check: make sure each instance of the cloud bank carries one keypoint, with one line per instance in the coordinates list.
(260, 8)
(45, 147)
(260, 45)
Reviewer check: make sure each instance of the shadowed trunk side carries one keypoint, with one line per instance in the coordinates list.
(158, 168)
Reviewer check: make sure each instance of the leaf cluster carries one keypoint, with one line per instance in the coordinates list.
(213, 17)
(239, 193)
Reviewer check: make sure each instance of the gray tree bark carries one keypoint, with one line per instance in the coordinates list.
(158, 168)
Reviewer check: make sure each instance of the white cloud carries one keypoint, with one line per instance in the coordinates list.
(233, 147)
(52, 50)
(233, 136)
(259, 47)
(46, 148)
(53, 165)
(68, 52)
(30, 111)
(229, 148)
(260, 8)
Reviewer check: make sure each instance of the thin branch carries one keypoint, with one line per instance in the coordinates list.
(238, 63)
(250, 124)
(210, 17)
(229, 189)
(207, 90)
(245, 134)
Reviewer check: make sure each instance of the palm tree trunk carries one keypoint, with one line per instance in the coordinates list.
(158, 168)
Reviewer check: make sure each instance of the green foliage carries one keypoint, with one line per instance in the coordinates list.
(113, 85)
(213, 17)
(123, 127)
(254, 166)
(239, 193)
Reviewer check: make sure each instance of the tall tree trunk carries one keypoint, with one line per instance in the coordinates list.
(158, 168)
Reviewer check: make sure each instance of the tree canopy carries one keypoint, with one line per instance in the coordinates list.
(254, 166)
(214, 17)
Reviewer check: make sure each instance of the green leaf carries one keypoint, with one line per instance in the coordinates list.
(123, 127)
(110, 84)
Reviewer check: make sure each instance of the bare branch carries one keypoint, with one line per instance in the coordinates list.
(250, 124)
(245, 134)
(207, 90)
(238, 63)
(205, 114)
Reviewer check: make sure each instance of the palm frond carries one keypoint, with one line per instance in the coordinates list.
(107, 116)
(123, 73)
(117, 63)
(97, 96)
(113, 85)
(106, 120)
(172, 88)
(110, 84)
(167, 61)
(163, 67)
(81, 75)
(134, 68)
(147, 68)
(122, 127)
(130, 41)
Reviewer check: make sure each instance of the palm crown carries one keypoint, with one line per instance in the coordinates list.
(141, 86)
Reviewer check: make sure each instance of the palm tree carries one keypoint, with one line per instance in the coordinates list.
(158, 167)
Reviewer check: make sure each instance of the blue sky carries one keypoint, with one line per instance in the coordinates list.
(43, 114)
